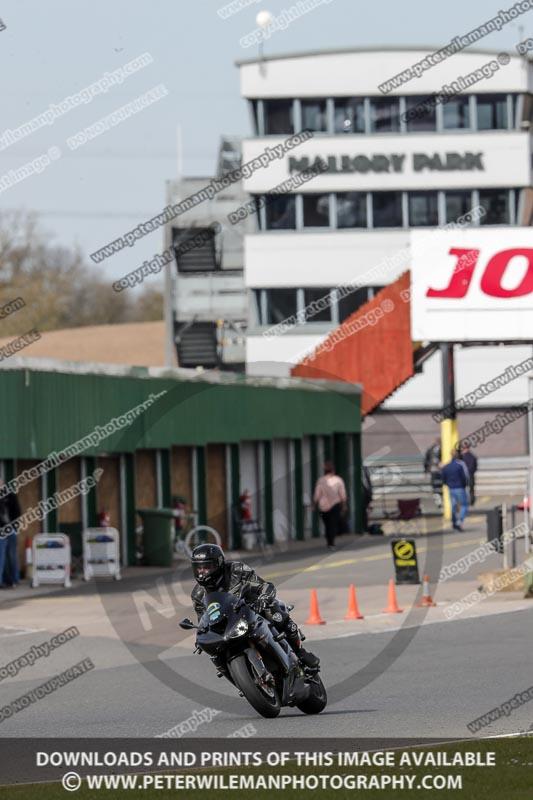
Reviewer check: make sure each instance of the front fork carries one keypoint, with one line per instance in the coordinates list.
(254, 657)
(221, 668)
(258, 665)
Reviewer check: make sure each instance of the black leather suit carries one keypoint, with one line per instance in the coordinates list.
(234, 576)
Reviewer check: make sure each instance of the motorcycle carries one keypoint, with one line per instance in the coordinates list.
(256, 658)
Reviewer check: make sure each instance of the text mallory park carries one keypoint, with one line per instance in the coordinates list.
(395, 162)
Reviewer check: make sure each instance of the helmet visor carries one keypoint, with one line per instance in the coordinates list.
(204, 570)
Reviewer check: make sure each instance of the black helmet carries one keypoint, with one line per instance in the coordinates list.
(208, 564)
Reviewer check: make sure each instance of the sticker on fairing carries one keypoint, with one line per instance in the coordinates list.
(213, 610)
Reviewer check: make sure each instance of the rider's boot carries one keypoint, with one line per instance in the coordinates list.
(307, 658)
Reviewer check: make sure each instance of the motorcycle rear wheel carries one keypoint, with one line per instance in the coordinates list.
(317, 700)
(265, 703)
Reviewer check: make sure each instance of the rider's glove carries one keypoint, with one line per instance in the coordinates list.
(261, 604)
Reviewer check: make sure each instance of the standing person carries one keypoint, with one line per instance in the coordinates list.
(432, 467)
(456, 477)
(9, 514)
(367, 496)
(330, 497)
(471, 464)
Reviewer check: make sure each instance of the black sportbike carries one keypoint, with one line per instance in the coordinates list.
(254, 656)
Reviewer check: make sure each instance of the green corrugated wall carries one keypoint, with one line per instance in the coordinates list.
(46, 411)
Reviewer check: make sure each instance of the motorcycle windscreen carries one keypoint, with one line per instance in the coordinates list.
(218, 606)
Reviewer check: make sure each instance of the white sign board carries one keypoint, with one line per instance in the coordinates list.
(386, 163)
(472, 284)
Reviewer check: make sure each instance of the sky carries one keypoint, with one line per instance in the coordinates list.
(52, 49)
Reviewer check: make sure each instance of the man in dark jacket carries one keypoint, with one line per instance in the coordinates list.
(455, 476)
(9, 514)
(213, 573)
(471, 464)
(367, 495)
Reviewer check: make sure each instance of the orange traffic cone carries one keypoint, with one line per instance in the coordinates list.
(426, 601)
(353, 610)
(314, 613)
(392, 607)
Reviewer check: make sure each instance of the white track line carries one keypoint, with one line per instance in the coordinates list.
(16, 631)
(418, 624)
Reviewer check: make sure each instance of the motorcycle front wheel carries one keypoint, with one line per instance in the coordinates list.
(264, 699)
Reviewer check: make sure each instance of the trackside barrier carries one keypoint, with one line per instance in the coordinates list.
(51, 559)
(101, 554)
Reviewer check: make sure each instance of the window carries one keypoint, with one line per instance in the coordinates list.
(527, 113)
(254, 108)
(316, 210)
(314, 116)
(387, 209)
(514, 206)
(351, 210)
(423, 209)
(426, 118)
(350, 300)
(497, 207)
(256, 315)
(278, 116)
(384, 114)
(321, 312)
(494, 112)
(456, 113)
(349, 115)
(457, 205)
(280, 305)
(281, 212)
(260, 201)
(491, 111)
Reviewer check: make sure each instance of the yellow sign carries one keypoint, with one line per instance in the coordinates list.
(404, 550)
(405, 562)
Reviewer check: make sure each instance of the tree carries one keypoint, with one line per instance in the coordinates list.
(57, 286)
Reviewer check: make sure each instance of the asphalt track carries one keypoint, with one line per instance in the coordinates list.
(423, 680)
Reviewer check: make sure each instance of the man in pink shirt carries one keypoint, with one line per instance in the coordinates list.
(330, 497)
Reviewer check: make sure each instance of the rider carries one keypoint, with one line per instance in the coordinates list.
(213, 573)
